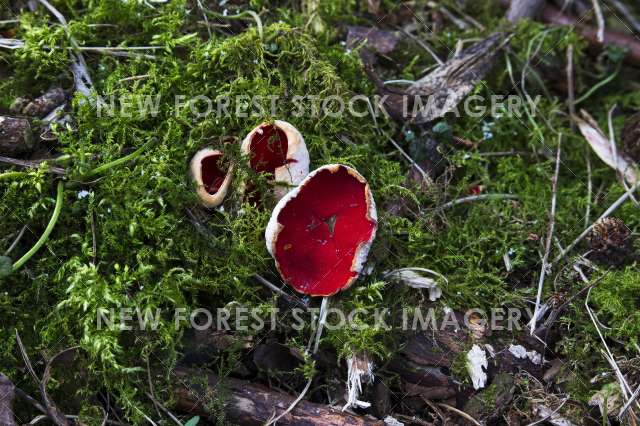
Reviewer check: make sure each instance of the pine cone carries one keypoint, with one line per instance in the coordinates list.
(610, 241)
(631, 137)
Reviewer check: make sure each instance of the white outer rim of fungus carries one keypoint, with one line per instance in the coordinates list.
(195, 168)
(297, 167)
(274, 227)
(476, 360)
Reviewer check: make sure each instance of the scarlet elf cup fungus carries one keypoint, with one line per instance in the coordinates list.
(320, 232)
(212, 181)
(277, 149)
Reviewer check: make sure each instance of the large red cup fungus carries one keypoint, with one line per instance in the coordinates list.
(320, 232)
(277, 149)
(212, 181)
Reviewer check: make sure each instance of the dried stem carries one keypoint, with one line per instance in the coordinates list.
(599, 20)
(610, 210)
(552, 222)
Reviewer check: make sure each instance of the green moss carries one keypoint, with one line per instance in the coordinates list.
(150, 256)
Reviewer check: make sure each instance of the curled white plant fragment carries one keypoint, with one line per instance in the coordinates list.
(359, 371)
(605, 149)
(416, 278)
(476, 366)
(277, 149)
(521, 352)
(392, 421)
(211, 179)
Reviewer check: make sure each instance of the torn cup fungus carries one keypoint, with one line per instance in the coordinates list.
(277, 149)
(212, 181)
(320, 232)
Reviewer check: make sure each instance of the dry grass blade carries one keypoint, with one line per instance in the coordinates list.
(53, 412)
(56, 415)
(448, 84)
(25, 357)
(552, 220)
(599, 20)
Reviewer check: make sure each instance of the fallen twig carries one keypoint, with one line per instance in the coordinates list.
(599, 20)
(263, 402)
(32, 164)
(16, 241)
(552, 221)
(288, 297)
(610, 210)
(51, 409)
(79, 66)
(624, 10)
(472, 198)
(460, 413)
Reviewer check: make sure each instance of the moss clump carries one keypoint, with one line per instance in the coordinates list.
(151, 257)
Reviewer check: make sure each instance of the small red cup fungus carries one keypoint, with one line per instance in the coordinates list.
(278, 149)
(212, 181)
(320, 232)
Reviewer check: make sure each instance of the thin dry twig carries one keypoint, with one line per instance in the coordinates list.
(315, 340)
(622, 381)
(52, 410)
(31, 164)
(79, 66)
(473, 198)
(624, 11)
(460, 413)
(288, 297)
(163, 408)
(94, 254)
(610, 210)
(16, 241)
(552, 222)
(424, 45)
(587, 213)
(599, 20)
(631, 400)
(571, 85)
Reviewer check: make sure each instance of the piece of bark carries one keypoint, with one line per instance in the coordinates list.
(273, 356)
(252, 404)
(44, 104)
(433, 393)
(16, 138)
(7, 395)
(452, 81)
(631, 137)
(437, 350)
(381, 399)
(520, 9)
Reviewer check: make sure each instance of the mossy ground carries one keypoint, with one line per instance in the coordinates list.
(150, 255)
